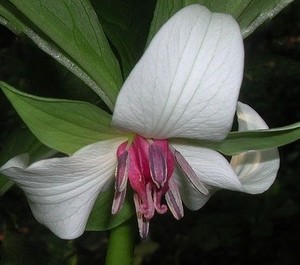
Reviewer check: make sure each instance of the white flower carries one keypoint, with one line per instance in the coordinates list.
(186, 85)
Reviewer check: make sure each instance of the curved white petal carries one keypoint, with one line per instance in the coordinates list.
(257, 170)
(187, 82)
(211, 168)
(62, 191)
(192, 198)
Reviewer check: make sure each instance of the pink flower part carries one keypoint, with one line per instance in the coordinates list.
(149, 165)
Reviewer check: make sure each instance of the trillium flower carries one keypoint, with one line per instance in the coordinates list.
(185, 86)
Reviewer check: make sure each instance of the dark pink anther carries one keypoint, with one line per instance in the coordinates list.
(158, 165)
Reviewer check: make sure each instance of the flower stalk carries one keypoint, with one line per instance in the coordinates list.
(121, 244)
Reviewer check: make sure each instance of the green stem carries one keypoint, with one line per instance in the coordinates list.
(121, 244)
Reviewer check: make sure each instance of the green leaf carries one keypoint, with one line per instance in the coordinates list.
(13, 146)
(63, 125)
(101, 218)
(238, 142)
(70, 32)
(5, 184)
(126, 24)
(249, 13)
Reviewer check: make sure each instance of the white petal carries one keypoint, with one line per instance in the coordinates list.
(62, 191)
(257, 170)
(249, 119)
(211, 168)
(187, 82)
(192, 198)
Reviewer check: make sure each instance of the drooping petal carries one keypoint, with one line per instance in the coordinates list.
(62, 191)
(211, 168)
(192, 198)
(257, 170)
(187, 82)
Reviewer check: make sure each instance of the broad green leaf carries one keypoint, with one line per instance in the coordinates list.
(238, 142)
(101, 218)
(63, 125)
(249, 13)
(70, 32)
(21, 140)
(126, 24)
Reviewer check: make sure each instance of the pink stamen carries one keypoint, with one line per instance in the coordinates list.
(148, 164)
(121, 177)
(190, 174)
(122, 171)
(173, 199)
(143, 223)
(158, 165)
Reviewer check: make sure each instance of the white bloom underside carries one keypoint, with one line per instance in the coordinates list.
(185, 85)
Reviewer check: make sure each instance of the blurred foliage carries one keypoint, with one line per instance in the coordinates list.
(232, 228)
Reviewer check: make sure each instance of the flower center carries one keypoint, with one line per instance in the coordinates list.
(148, 164)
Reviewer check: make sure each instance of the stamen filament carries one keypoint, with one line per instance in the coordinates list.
(190, 174)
